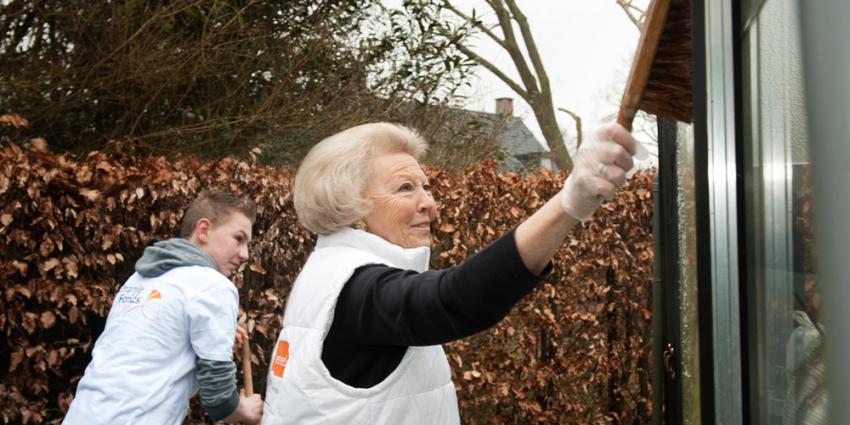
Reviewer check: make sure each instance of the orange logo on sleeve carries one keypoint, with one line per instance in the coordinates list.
(281, 356)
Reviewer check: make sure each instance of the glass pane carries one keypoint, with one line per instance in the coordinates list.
(785, 334)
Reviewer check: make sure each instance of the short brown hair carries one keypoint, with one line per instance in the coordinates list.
(215, 206)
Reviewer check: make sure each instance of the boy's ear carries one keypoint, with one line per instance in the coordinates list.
(202, 230)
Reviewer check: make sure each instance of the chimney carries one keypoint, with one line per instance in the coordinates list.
(505, 106)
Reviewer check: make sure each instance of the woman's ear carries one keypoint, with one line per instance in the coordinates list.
(202, 231)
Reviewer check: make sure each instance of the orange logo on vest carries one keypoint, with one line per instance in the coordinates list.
(281, 356)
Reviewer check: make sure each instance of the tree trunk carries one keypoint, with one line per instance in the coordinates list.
(535, 83)
(545, 114)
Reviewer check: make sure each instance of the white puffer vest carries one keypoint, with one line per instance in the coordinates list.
(300, 389)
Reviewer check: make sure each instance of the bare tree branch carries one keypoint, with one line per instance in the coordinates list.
(635, 14)
(577, 119)
(477, 24)
(495, 70)
(530, 46)
(535, 89)
(505, 22)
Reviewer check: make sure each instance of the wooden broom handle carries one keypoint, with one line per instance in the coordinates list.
(247, 379)
(656, 16)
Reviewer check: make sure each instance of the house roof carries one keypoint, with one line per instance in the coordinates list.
(510, 131)
(519, 147)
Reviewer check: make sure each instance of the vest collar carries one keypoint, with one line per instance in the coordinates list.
(404, 258)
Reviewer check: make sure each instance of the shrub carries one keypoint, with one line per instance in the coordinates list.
(575, 351)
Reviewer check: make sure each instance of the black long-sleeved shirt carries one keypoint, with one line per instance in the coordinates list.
(382, 310)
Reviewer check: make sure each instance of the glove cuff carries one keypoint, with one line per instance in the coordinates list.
(581, 216)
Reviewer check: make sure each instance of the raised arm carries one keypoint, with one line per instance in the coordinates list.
(600, 169)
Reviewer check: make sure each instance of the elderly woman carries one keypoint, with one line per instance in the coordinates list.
(363, 325)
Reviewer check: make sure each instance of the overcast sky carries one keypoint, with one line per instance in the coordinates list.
(586, 46)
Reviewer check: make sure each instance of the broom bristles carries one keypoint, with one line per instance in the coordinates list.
(669, 92)
(666, 91)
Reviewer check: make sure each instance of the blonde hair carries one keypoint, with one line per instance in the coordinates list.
(329, 189)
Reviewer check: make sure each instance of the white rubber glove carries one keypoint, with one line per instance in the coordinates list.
(599, 169)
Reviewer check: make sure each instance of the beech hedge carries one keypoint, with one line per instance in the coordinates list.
(577, 350)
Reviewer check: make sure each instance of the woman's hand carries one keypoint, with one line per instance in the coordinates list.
(599, 169)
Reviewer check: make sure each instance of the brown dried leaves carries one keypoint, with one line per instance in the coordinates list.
(575, 351)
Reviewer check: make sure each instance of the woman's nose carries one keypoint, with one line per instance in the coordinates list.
(427, 202)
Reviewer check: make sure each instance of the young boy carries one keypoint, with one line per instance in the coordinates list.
(172, 326)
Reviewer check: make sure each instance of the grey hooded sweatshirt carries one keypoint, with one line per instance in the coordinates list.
(216, 379)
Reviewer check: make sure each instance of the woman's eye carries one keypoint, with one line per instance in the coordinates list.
(426, 187)
(406, 187)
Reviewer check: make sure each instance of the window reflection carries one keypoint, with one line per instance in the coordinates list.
(806, 399)
(785, 335)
